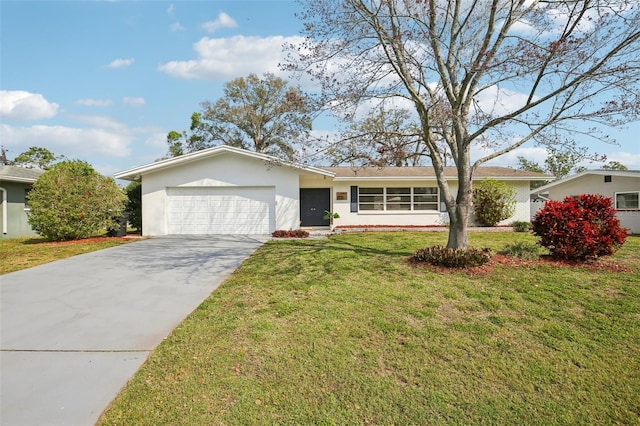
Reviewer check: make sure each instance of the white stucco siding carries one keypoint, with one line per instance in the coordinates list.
(226, 170)
(377, 217)
(523, 208)
(594, 184)
(402, 218)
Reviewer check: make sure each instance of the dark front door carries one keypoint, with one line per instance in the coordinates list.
(313, 203)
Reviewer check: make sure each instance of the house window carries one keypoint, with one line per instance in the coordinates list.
(627, 200)
(607, 178)
(398, 199)
(371, 199)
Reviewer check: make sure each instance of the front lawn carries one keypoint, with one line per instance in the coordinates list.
(344, 331)
(22, 253)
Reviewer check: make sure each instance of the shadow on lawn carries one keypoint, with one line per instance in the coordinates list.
(333, 245)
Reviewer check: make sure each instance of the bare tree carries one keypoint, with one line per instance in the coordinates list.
(491, 73)
(383, 138)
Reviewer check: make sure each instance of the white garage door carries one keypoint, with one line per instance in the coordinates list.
(216, 210)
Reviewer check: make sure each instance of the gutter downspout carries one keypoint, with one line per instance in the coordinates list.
(4, 210)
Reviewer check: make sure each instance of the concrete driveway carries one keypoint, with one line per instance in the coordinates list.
(74, 331)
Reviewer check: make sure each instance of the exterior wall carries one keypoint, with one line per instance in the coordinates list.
(224, 170)
(404, 218)
(17, 223)
(595, 184)
(523, 208)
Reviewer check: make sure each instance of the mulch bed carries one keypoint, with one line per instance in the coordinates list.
(506, 260)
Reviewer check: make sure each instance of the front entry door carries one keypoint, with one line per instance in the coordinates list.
(313, 203)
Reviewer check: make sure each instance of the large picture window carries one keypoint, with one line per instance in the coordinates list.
(628, 201)
(398, 199)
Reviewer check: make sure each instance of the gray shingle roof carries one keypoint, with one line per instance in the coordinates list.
(19, 174)
(428, 172)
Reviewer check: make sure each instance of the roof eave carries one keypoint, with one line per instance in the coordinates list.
(16, 179)
(136, 173)
(449, 178)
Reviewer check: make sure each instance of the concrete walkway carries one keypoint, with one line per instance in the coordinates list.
(74, 331)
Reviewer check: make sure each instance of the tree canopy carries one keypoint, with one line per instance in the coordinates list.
(489, 74)
(36, 157)
(260, 114)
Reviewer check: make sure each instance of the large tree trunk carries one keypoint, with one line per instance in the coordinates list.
(459, 211)
(458, 221)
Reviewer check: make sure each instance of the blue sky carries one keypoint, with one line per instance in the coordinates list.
(104, 81)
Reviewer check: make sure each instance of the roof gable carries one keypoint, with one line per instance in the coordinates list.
(598, 172)
(137, 172)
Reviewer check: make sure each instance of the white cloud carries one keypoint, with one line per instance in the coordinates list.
(120, 63)
(223, 21)
(629, 159)
(228, 58)
(175, 27)
(94, 102)
(23, 106)
(134, 102)
(70, 142)
(498, 101)
(100, 121)
(171, 10)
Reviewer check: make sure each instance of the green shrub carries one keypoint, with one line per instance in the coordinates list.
(71, 201)
(134, 205)
(521, 226)
(452, 258)
(493, 201)
(522, 250)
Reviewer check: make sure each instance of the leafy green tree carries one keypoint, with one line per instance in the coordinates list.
(614, 165)
(560, 162)
(36, 157)
(71, 200)
(491, 73)
(493, 201)
(260, 114)
(134, 204)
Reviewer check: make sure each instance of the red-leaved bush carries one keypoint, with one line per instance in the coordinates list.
(292, 233)
(579, 228)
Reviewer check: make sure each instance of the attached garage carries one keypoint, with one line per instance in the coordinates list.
(220, 210)
(220, 190)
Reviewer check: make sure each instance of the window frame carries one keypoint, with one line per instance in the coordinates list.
(398, 199)
(615, 200)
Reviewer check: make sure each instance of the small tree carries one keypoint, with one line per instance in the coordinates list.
(134, 204)
(36, 157)
(579, 228)
(71, 201)
(493, 201)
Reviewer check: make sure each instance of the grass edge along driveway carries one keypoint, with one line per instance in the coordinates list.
(22, 253)
(344, 331)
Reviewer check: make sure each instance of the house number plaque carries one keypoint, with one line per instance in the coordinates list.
(341, 196)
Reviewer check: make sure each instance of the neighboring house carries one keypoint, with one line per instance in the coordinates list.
(15, 184)
(226, 190)
(622, 186)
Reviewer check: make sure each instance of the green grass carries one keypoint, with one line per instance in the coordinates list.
(22, 253)
(343, 331)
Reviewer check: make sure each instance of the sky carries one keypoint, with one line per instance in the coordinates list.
(105, 81)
